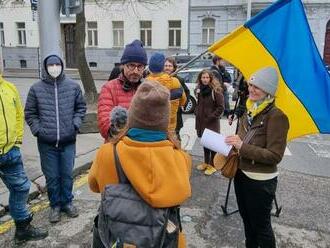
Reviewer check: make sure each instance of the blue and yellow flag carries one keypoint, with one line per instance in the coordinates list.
(280, 37)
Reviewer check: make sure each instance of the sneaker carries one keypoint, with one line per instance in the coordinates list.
(201, 167)
(70, 210)
(54, 215)
(210, 170)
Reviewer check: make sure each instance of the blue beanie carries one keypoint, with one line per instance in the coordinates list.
(134, 52)
(53, 60)
(156, 63)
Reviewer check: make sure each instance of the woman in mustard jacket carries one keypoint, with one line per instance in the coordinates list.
(154, 164)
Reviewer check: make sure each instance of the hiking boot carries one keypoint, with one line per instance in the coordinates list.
(210, 170)
(201, 167)
(54, 214)
(26, 232)
(70, 210)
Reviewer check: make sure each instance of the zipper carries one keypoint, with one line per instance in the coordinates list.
(4, 116)
(57, 116)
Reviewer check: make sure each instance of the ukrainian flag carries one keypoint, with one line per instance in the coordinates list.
(280, 37)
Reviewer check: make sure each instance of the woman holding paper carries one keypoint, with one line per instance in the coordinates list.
(210, 105)
(256, 179)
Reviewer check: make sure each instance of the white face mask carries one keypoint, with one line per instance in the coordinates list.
(54, 70)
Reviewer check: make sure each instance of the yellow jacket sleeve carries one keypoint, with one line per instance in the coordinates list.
(19, 118)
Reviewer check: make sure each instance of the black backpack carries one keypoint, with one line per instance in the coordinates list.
(126, 219)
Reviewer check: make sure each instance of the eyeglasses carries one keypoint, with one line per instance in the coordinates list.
(132, 67)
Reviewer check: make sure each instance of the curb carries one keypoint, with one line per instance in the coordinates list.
(38, 188)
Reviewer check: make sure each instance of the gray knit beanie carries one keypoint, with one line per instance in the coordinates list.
(265, 79)
(150, 107)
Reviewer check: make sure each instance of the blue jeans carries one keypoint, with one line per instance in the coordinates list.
(57, 165)
(13, 175)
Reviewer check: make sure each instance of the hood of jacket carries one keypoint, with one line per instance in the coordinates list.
(45, 75)
(156, 170)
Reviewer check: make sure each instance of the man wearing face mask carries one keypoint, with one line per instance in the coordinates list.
(120, 91)
(54, 110)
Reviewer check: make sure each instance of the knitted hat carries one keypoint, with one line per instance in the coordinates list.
(150, 107)
(53, 60)
(156, 63)
(134, 52)
(265, 79)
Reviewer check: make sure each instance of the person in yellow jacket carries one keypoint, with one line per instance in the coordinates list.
(11, 166)
(177, 96)
(152, 161)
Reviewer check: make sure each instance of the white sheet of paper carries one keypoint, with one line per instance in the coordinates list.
(215, 142)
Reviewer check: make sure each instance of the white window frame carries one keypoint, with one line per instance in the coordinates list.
(208, 29)
(118, 33)
(2, 34)
(146, 33)
(21, 34)
(175, 31)
(92, 34)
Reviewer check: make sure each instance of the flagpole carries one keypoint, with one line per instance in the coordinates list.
(189, 62)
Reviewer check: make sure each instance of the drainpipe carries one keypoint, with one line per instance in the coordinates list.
(189, 16)
(248, 9)
(49, 19)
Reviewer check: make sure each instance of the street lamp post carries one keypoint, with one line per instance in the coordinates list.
(49, 28)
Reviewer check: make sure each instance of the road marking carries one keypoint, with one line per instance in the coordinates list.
(287, 152)
(80, 181)
(188, 134)
(320, 150)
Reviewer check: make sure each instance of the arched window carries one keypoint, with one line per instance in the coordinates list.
(208, 31)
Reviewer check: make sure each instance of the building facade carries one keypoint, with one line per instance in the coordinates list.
(211, 20)
(171, 27)
(162, 27)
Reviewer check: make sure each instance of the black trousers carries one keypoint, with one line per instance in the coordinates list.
(208, 156)
(254, 200)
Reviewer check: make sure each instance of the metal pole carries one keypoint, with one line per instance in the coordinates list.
(1, 61)
(49, 28)
(189, 62)
(249, 8)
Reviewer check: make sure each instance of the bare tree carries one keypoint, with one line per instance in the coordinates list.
(84, 71)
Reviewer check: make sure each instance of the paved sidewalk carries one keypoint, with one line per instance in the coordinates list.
(86, 147)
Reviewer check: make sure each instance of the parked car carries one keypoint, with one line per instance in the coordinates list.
(190, 77)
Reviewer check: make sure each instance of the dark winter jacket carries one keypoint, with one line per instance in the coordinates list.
(179, 121)
(55, 109)
(208, 111)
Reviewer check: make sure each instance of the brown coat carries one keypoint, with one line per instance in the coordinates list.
(208, 111)
(266, 148)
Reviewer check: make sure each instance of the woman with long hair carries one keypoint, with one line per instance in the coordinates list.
(210, 105)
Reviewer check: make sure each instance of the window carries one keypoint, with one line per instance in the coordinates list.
(21, 33)
(23, 63)
(118, 33)
(208, 30)
(2, 35)
(145, 33)
(92, 33)
(174, 34)
(92, 64)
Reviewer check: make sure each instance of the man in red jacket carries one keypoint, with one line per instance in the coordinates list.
(120, 91)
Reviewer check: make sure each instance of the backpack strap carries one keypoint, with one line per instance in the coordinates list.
(120, 172)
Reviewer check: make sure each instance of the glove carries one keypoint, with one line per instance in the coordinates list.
(118, 120)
